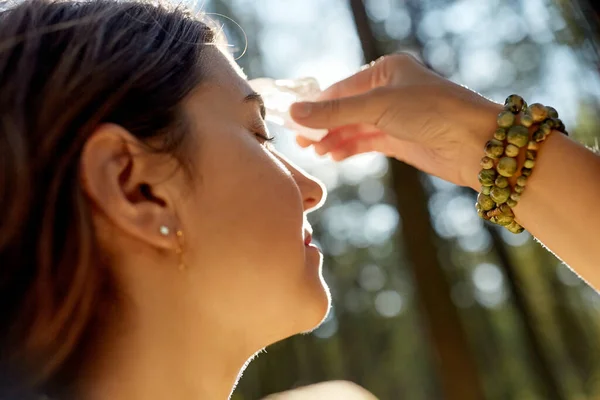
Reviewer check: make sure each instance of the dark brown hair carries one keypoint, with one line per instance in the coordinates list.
(65, 67)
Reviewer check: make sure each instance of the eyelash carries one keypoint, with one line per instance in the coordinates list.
(265, 140)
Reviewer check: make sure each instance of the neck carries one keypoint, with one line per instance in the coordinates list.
(164, 362)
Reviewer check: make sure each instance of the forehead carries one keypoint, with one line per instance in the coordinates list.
(223, 73)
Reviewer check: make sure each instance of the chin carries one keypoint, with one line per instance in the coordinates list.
(319, 309)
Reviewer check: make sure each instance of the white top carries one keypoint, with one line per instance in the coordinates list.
(332, 390)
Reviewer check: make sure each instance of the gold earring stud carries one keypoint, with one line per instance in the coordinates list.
(179, 249)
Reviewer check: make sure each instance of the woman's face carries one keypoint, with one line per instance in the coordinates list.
(249, 274)
(244, 218)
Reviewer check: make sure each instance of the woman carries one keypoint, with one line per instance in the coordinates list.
(151, 241)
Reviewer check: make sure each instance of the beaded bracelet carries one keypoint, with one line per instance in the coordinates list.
(497, 198)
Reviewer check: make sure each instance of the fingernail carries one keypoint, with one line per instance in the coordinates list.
(301, 110)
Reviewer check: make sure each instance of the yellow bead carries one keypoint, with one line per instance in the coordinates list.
(511, 150)
(526, 119)
(500, 134)
(507, 166)
(499, 195)
(494, 148)
(533, 145)
(538, 112)
(486, 163)
(518, 135)
(485, 202)
(506, 119)
(501, 182)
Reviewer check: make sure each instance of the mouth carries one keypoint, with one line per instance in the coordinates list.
(307, 238)
(307, 234)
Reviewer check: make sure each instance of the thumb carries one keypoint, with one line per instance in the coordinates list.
(365, 108)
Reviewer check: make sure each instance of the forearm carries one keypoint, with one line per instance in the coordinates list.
(559, 203)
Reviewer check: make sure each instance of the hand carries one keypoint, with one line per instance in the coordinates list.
(402, 109)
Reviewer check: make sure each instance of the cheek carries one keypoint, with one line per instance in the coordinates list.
(245, 219)
(245, 208)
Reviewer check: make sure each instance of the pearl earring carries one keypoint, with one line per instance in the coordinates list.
(165, 231)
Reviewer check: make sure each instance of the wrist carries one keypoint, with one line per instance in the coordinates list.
(484, 123)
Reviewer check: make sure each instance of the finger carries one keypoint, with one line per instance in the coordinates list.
(339, 136)
(304, 142)
(365, 108)
(373, 75)
(359, 146)
(358, 83)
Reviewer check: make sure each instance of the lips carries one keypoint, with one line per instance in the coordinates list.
(307, 238)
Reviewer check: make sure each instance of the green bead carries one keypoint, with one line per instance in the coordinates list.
(526, 119)
(557, 124)
(514, 227)
(529, 164)
(511, 203)
(519, 189)
(506, 210)
(507, 166)
(511, 150)
(499, 195)
(487, 176)
(552, 113)
(486, 189)
(533, 145)
(504, 220)
(506, 119)
(522, 180)
(546, 128)
(486, 163)
(515, 196)
(531, 154)
(526, 171)
(518, 135)
(539, 136)
(501, 182)
(500, 134)
(485, 202)
(514, 103)
(538, 112)
(480, 212)
(494, 148)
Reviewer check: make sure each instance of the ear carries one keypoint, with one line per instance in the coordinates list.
(128, 185)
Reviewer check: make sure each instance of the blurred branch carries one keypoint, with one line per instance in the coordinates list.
(456, 365)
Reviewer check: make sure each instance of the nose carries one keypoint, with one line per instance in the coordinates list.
(313, 191)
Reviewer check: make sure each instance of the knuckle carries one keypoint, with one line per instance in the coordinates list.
(403, 59)
(331, 108)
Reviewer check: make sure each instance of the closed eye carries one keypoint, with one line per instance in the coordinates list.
(262, 133)
(264, 138)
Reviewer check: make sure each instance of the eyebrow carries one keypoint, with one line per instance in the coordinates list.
(256, 98)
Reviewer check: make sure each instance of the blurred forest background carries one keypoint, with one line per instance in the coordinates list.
(428, 301)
